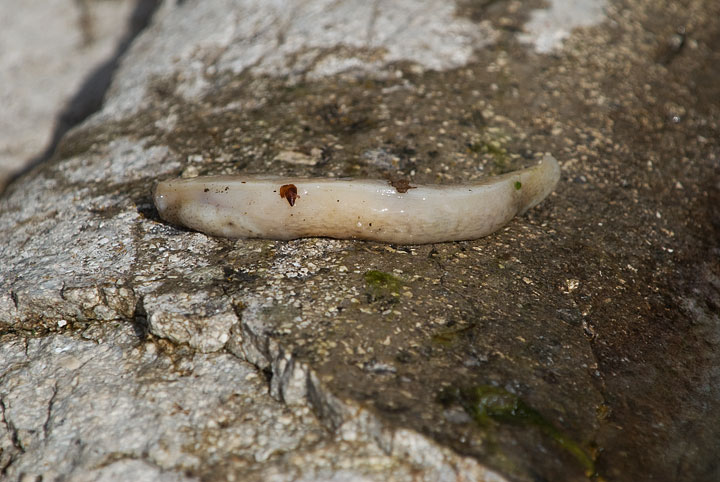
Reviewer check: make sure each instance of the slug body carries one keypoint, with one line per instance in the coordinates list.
(288, 208)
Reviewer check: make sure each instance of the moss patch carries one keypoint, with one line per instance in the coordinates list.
(486, 403)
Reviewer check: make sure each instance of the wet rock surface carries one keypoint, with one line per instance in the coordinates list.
(581, 341)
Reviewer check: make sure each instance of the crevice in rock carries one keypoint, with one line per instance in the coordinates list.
(51, 402)
(139, 320)
(5, 459)
(294, 383)
(89, 97)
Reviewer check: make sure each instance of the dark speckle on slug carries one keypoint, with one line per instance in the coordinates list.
(401, 185)
(289, 192)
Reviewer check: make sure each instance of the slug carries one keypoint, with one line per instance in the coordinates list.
(392, 212)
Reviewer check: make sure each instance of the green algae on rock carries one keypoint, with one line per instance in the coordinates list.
(486, 403)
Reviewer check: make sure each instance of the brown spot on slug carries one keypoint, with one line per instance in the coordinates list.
(401, 185)
(289, 192)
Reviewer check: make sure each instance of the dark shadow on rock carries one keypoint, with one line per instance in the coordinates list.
(146, 208)
(139, 321)
(89, 97)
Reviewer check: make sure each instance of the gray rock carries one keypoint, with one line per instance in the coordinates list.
(47, 50)
(303, 39)
(200, 319)
(548, 27)
(111, 408)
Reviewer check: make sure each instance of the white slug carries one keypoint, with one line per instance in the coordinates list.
(288, 208)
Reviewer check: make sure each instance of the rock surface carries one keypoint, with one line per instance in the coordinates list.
(81, 408)
(580, 341)
(49, 49)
